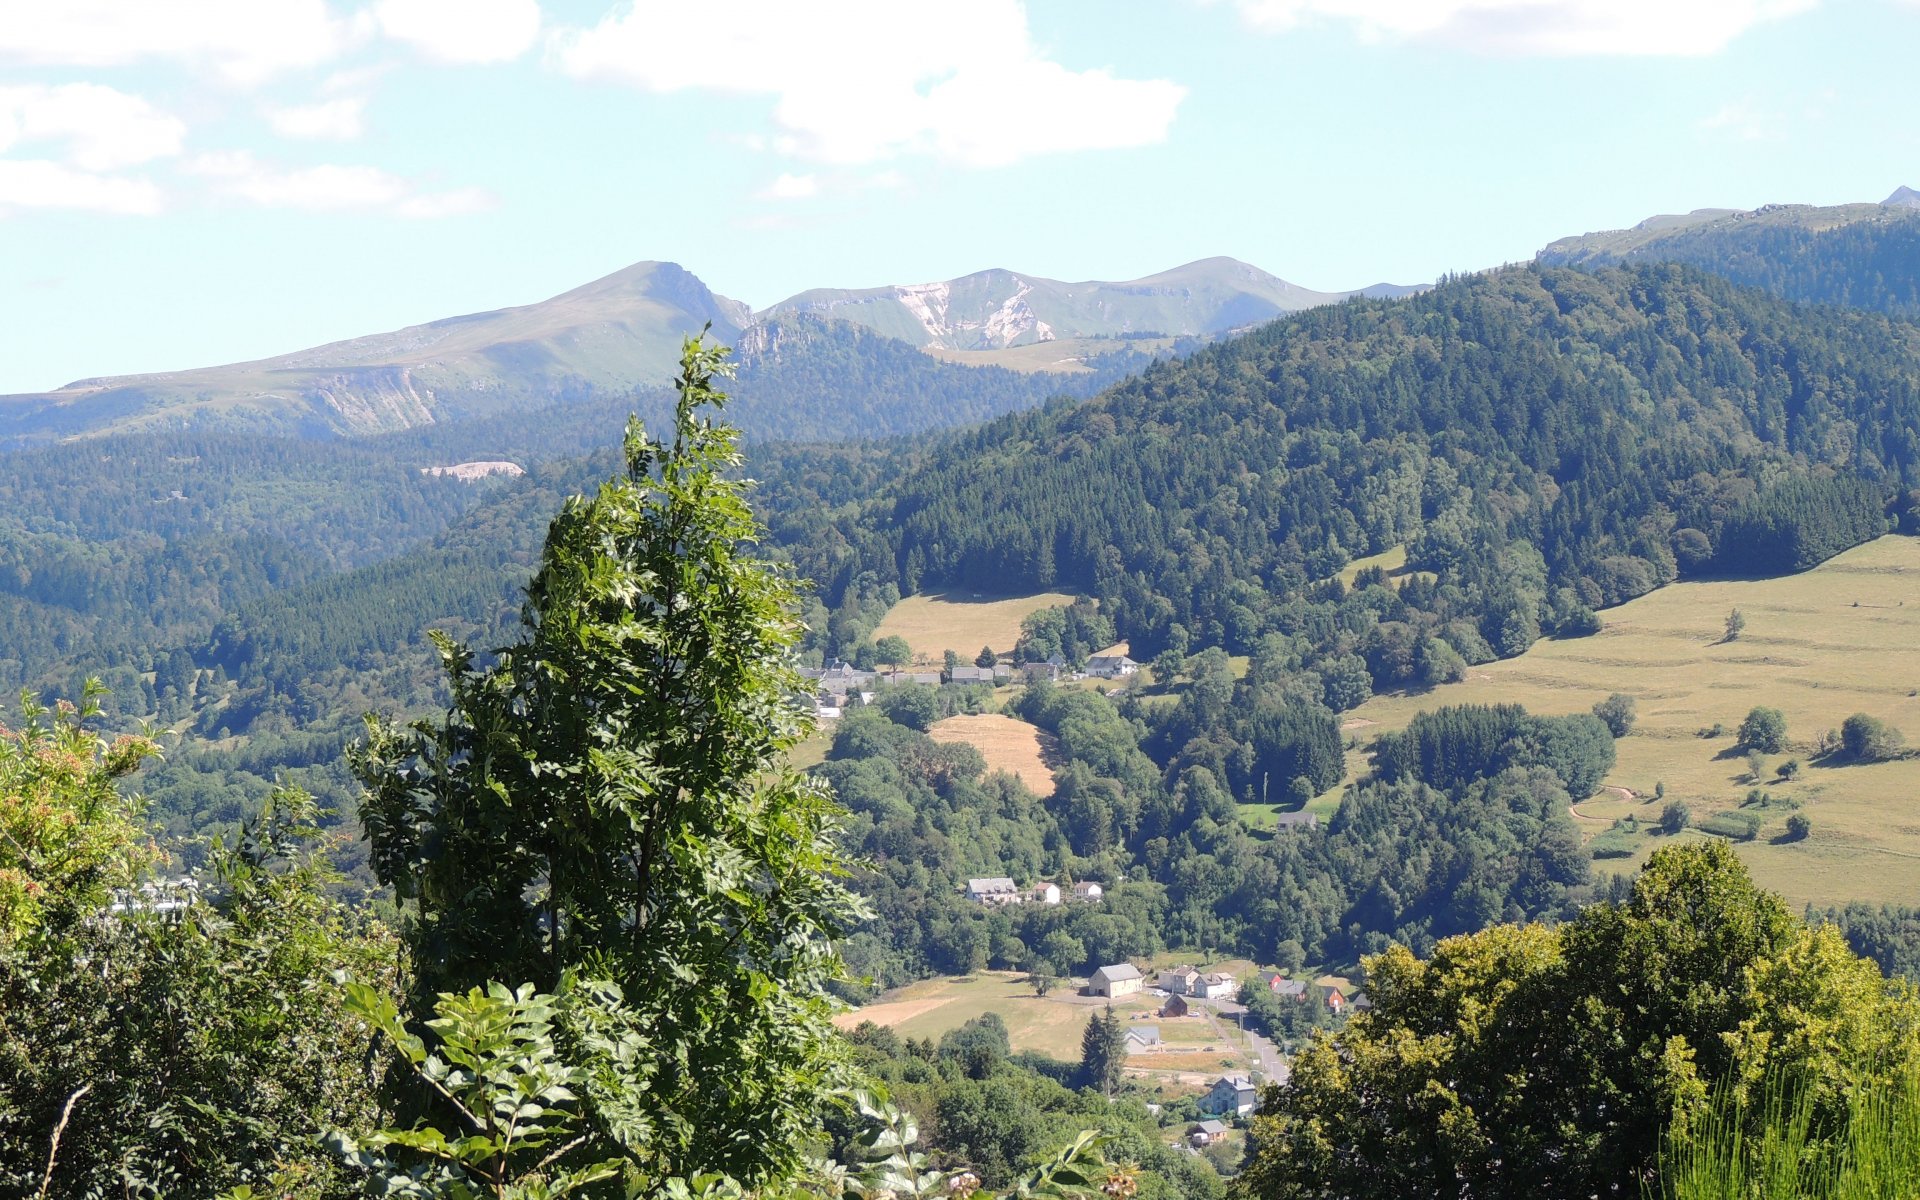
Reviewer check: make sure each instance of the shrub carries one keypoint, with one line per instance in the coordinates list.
(1798, 827)
(1740, 825)
(1675, 817)
(1869, 739)
(1765, 730)
(1617, 711)
(1790, 769)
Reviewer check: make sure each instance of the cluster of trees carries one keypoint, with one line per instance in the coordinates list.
(1456, 745)
(1530, 1060)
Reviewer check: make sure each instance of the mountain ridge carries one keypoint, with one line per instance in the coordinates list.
(621, 333)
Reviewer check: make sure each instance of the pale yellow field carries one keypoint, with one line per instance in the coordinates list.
(1053, 1025)
(1840, 639)
(1009, 745)
(963, 623)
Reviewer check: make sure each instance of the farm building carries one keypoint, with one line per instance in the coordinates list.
(1120, 979)
(1216, 987)
(1180, 981)
(1143, 1037)
(1206, 1133)
(1111, 666)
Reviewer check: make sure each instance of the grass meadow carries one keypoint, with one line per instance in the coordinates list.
(1839, 639)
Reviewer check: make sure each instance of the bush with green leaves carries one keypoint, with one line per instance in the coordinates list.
(1765, 730)
(1617, 711)
(1865, 738)
(610, 798)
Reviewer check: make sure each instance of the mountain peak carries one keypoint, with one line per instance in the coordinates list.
(1903, 197)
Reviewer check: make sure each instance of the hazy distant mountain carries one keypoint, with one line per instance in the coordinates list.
(622, 333)
(999, 309)
(1858, 255)
(613, 334)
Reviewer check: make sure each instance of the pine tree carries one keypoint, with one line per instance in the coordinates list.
(1103, 1051)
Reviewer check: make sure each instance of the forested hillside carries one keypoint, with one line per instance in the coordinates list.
(1544, 441)
(1858, 256)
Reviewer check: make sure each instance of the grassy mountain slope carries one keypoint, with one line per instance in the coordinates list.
(612, 335)
(994, 311)
(1857, 255)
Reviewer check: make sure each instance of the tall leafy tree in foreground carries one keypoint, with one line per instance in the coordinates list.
(607, 813)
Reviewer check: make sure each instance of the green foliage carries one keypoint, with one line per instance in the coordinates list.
(1740, 825)
(68, 839)
(1736, 625)
(986, 657)
(1449, 747)
(1675, 817)
(1103, 1051)
(198, 1050)
(1617, 712)
(1074, 633)
(893, 651)
(609, 799)
(1795, 525)
(1865, 738)
(1532, 1060)
(1764, 730)
(1798, 827)
(1773, 1144)
(493, 1061)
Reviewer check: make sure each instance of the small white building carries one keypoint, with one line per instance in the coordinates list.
(1120, 979)
(1111, 666)
(1217, 987)
(993, 891)
(1046, 893)
(1087, 891)
(1180, 981)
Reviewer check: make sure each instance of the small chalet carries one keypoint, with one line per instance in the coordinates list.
(1087, 891)
(1336, 1000)
(994, 891)
(1301, 819)
(1111, 666)
(1046, 893)
(1176, 1006)
(1120, 979)
(1206, 1133)
(1230, 1095)
(1181, 981)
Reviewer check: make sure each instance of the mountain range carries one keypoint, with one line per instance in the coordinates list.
(621, 333)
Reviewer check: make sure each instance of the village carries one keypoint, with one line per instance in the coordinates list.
(839, 685)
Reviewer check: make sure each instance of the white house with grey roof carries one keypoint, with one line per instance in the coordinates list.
(1120, 979)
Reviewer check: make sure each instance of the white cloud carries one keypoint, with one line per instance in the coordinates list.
(462, 31)
(39, 183)
(961, 79)
(1741, 119)
(1538, 27)
(102, 128)
(245, 40)
(793, 187)
(339, 120)
(330, 187)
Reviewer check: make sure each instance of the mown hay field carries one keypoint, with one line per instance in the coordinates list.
(1008, 744)
(962, 622)
(1836, 640)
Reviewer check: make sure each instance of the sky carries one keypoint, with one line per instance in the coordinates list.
(192, 182)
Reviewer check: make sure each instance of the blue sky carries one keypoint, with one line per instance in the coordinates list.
(187, 182)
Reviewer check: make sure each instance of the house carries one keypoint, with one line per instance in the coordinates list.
(1120, 979)
(1206, 1133)
(1087, 891)
(1143, 1037)
(1180, 981)
(930, 678)
(1358, 1002)
(1336, 1000)
(1046, 893)
(1292, 989)
(1217, 987)
(1176, 1006)
(994, 891)
(987, 675)
(1053, 670)
(1301, 819)
(168, 899)
(1230, 1095)
(1111, 666)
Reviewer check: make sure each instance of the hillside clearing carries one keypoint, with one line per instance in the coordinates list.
(1009, 745)
(1839, 639)
(962, 622)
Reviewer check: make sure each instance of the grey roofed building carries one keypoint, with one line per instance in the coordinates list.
(996, 889)
(1144, 1035)
(1301, 819)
